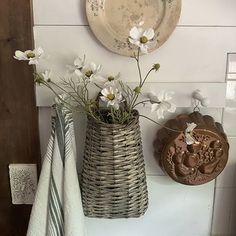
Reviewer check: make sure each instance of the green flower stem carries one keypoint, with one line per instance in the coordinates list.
(90, 113)
(142, 102)
(68, 93)
(141, 82)
(68, 106)
(113, 115)
(146, 77)
(139, 69)
(98, 86)
(73, 86)
(82, 100)
(173, 130)
(86, 89)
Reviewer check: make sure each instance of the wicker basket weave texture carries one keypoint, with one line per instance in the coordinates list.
(113, 176)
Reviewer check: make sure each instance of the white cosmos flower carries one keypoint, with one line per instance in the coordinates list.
(91, 71)
(78, 65)
(109, 80)
(142, 38)
(86, 70)
(161, 103)
(32, 56)
(189, 133)
(112, 96)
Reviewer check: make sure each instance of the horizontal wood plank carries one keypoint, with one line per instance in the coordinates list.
(200, 12)
(190, 54)
(182, 93)
(174, 209)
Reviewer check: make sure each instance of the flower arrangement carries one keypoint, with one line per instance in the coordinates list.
(119, 99)
(115, 100)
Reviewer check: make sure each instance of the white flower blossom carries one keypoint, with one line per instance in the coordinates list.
(87, 70)
(112, 96)
(32, 56)
(142, 38)
(161, 103)
(109, 80)
(77, 66)
(189, 133)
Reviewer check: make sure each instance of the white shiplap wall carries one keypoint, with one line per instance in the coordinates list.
(194, 57)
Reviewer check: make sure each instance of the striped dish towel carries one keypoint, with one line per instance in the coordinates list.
(57, 209)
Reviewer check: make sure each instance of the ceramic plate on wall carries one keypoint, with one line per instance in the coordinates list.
(111, 21)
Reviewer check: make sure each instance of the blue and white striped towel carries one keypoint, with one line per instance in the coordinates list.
(57, 210)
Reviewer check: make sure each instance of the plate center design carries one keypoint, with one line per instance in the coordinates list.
(120, 16)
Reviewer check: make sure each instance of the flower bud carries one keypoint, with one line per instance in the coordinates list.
(137, 90)
(38, 80)
(156, 67)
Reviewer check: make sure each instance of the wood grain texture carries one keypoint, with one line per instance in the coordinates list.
(19, 141)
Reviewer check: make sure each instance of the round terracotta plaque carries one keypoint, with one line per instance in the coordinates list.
(111, 21)
(193, 164)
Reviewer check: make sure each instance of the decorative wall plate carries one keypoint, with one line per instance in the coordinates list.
(193, 164)
(111, 20)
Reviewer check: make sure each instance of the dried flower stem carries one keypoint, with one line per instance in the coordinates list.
(173, 130)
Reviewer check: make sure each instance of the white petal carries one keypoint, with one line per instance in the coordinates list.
(136, 32)
(98, 69)
(172, 108)
(93, 66)
(85, 68)
(78, 72)
(189, 139)
(154, 107)
(168, 95)
(33, 61)
(152, 96)
(144, 48)
(133, 41)
(165, 105)
(109, 103)
(119, 97)
(149, 33)
(99, 79)
(78, 62)
(160, 113)
(105, 92)
(151, 44)
(112, 90)
(104, 99)
(71, 69)
(161, 96)
(190, 127)
(19, 55)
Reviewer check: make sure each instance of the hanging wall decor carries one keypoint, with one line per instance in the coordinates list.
(113, 175)
(196, 162)
(111, 21)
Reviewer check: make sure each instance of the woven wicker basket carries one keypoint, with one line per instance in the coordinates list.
(113, 176)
